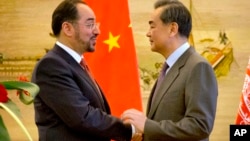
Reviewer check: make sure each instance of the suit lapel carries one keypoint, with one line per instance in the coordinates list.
(78, 68)
(167, 82)
(70, 60)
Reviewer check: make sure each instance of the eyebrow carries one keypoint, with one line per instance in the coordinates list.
(90, 19)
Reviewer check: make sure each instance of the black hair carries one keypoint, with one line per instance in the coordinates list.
(65, 11)
(175, 11)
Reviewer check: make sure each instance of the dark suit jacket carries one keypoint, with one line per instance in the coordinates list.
(68, 106)
(185, 106)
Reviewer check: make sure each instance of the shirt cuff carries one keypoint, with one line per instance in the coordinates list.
(133, 130)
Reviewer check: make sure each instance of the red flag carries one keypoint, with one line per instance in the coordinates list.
(243, 116)
(114, 63)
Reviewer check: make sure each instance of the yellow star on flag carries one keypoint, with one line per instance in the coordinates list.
(112, 41)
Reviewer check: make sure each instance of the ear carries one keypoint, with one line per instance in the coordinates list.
(173, 29)
(68, 28)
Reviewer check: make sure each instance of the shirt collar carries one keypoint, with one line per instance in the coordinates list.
(177, 54)
(70, 51)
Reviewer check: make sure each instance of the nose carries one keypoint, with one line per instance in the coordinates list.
(148, 34)
(97, 29)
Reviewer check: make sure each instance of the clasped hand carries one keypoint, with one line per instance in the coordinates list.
(137, 119)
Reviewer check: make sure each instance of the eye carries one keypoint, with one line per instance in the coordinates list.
(90, 25)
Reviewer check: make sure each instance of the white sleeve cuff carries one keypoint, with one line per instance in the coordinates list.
(133, 130)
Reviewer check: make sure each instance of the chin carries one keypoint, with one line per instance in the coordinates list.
(153, 49)
(91, 49)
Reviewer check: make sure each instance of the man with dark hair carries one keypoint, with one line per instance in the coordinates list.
(70, 105)
(182, 104)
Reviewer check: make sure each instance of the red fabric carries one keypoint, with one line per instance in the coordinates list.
(3, 94)
(243, 115)
(115, 66)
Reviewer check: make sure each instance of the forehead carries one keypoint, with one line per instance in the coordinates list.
(155, 16)
(85, 13)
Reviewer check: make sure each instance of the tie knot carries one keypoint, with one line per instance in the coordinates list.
(164, 67)
(83, 64)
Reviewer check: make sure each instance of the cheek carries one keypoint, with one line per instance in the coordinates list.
(156, 34)
(159, 42)
(156, 37)
(85, 37)
(85, 34)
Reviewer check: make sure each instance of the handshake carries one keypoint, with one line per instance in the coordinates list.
(137, 119)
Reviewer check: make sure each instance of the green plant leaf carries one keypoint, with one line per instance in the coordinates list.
(13, 107)
(27, 90)
(4, 135)
(19, 122)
